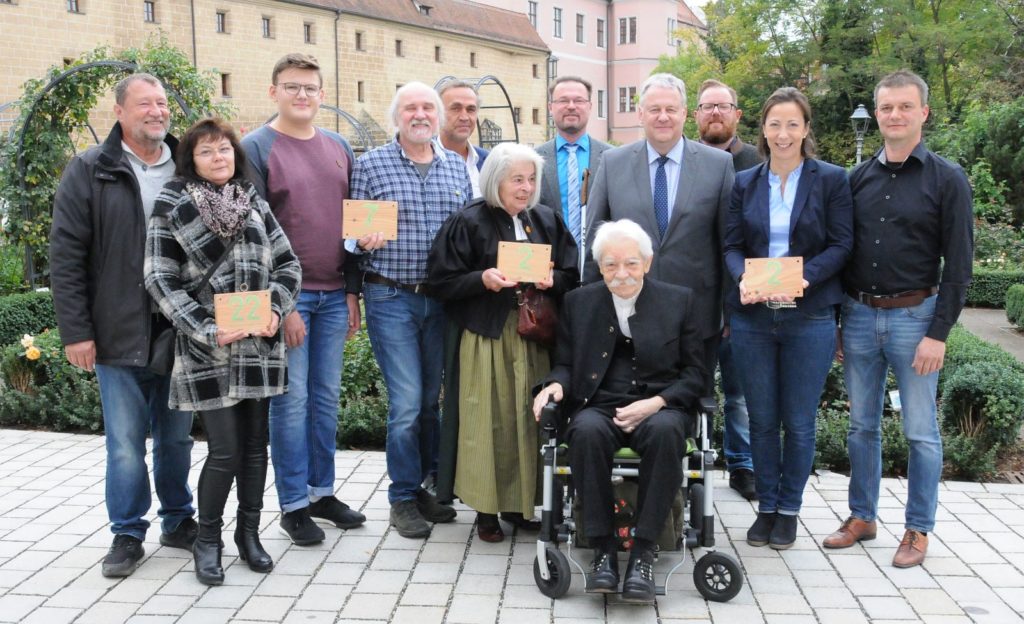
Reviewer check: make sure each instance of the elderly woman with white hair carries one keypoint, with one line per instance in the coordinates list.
(496, 463)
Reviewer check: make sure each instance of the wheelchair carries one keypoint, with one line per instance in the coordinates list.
(717, 575)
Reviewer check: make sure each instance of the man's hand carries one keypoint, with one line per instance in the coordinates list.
(552, 392)
(629, 417)
(928, 356)
(294, 330)
(355, 319)
(82, 354)
(494, 280)
(371, 242)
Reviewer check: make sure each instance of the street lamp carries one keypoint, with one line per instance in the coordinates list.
(860, 119)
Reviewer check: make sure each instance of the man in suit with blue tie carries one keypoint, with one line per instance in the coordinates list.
(571, 152)
(677, 190)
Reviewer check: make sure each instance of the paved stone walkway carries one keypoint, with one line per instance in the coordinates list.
(53, 533)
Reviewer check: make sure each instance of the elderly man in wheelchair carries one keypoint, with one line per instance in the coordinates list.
(628, 364)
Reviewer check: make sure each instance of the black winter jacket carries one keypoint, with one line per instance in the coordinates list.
(97, 249)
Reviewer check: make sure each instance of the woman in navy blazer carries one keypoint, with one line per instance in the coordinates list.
(791, 205)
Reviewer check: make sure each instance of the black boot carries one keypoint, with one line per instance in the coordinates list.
(247, 538)
(252, 479)
(207, 550)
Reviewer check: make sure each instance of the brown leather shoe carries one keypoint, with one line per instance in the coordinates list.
(853, 530)
(912, 549)
(488, 528)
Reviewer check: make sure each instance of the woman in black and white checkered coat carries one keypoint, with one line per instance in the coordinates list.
(226, 376)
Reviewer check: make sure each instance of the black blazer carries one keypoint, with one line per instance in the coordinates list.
(820, 229)
(666, 339)
(467, 245)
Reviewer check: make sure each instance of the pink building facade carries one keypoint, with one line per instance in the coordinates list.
(615, 44)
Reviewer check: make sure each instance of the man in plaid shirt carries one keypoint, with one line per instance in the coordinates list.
(406, 326)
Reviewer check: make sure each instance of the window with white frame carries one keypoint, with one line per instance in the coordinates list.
(627, 30)
(627, 99)
(557, 29)
(579, 27)
(601, 113)
(149, 11)
(531, 12)
(600, 33)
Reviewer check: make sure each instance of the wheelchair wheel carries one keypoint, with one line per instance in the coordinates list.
(696, 500)
(561, 576)
(717, 577)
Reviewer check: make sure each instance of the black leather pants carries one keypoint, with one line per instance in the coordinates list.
(238, 438)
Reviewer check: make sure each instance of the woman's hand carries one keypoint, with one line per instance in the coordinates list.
(271, 330)
(225, 337)
(746, 298)
(494, 280)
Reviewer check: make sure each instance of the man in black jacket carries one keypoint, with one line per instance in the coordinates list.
(629, 365)
(107, 320)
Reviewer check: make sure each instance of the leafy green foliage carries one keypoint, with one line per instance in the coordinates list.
(984, 401)
(63, 111)
(989, 285)
(25, 313)
(363, 413)
(10, 270)
(47, 392)
(1015, 304)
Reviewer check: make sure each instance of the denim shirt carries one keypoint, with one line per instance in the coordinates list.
(780, 210)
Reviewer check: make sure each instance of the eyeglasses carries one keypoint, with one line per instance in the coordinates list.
(209, 152)
(292, 88)
(724, 107)
(577, 102)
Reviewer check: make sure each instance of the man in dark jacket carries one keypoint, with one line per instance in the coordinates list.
(107, 320)
(629, 358)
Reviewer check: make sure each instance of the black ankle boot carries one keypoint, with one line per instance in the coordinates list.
(247, 538)
(206, 551)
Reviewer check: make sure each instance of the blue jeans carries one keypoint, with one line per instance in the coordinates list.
(135, 403)
(304, 420)
(783, 357)
(407, 334)
(875, 340)
(736, 437)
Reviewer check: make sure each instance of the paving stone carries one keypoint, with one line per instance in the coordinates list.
(51, 615)
(369, 606)
(472, 609)
(999, 574)
(282, 585)
(225, 597)
(323, 598)
(198, 615)
(166, 605)
(426, 594)
(418, 615)
(841, 616)
(435, 573)
(382, 582)
(931, 602)
(265, 608)
(886, 607)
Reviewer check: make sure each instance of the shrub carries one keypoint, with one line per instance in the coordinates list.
(963, 347)
(1015, 304)
(47, 392)
(363, 410)
(25, 313)
(11, 269)
(966, 459)
(984, 401)
(988, 286)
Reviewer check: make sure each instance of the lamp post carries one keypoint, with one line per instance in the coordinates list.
(860, 119)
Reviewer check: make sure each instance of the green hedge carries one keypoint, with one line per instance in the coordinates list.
(25, 313)
(988, 286)
(1015, 304)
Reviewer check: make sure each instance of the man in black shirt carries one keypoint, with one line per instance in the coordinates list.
(906, 284)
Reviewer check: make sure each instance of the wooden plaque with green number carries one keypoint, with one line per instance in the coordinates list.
(361, 217)
(775, 276)
(524, 262)
(249, 311)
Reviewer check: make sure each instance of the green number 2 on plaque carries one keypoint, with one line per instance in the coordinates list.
(526, 255)
(371, 211)
(775, 267)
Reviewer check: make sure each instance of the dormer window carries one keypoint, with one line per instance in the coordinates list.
(424, 9)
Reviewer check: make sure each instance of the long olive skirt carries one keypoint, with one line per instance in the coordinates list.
(496, 468)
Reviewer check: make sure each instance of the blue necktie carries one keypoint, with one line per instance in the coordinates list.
(661, 196)
(572, 196)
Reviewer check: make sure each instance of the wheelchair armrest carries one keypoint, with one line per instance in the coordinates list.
(550, 419)
(708, 405)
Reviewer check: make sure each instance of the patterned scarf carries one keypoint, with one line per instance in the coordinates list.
(223, 211)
